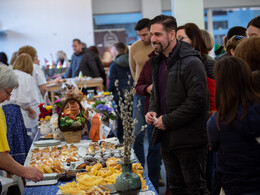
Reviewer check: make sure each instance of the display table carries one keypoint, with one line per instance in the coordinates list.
(53, 189)
(81, 83)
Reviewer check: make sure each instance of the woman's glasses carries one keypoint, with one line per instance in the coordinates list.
(9, 94)
(181, 38)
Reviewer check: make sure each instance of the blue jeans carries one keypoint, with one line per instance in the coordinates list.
(139, 140)
(153, 159)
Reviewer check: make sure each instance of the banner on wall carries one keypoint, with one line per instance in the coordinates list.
(106, 38)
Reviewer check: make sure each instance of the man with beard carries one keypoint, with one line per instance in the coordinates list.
(178, 108)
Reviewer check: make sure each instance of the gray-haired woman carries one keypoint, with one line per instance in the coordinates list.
(19, 105)
(8, 82)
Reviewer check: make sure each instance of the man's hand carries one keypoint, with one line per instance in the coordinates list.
(33, 174)
(149, 88)
(159, 123)
(134, 91)
(150, 117)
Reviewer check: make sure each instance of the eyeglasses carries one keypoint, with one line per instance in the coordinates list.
(9, 94)
(238, 37)
(181, 38)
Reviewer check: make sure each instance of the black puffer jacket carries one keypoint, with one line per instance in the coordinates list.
(209, 64)
(187, 99)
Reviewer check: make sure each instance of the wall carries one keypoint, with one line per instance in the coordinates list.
(48, 25)
(215, 4)
(116, 6)
(151, 8)
(183, 11)
(123, 6)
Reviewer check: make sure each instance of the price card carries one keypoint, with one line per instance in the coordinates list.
(105, 130)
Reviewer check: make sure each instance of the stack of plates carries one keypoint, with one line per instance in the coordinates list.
(44, 143)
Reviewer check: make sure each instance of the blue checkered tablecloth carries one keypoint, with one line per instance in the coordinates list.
(53, 189)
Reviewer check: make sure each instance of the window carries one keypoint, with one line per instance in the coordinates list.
(167, 13)
(119, 21)
(224, 19)
(219, 12)
(218, 39)
(220, 25)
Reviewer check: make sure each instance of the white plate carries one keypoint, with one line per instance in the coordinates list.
(112, 140)
(50, 176)
(43, 143)
(42, 183)
(149, 192)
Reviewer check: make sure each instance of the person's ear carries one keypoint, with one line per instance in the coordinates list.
(232, 51)
(172, 35)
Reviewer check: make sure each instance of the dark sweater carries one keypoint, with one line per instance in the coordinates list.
(209, 63)
(100, 66)
(238, 152)
(144, 81)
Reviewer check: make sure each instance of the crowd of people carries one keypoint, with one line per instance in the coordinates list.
(202, 114)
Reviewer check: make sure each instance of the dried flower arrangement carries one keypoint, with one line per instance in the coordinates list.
(125, 113)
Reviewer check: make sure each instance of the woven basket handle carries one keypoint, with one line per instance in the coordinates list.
(64, 105)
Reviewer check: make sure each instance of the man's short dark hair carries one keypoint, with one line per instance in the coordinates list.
(120, 47)
(236, 30)
(79, 42)
(254, 22)
(169, 22)
(143, 23)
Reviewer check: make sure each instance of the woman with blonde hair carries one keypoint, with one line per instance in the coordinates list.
(208, 39)
(13, 58)
(233, 130)
(17, 109)
(39, 82)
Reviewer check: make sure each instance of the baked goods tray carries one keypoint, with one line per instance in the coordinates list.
(82, 151)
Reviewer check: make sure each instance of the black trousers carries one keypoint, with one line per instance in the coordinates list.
(185, 169)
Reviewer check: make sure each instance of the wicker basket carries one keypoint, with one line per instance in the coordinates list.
(71, 134)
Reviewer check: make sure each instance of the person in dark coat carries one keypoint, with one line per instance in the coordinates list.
(178, 108)
(233, 130)
(81, 61)
(119, 70)
(191, 34)
(100, 66)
